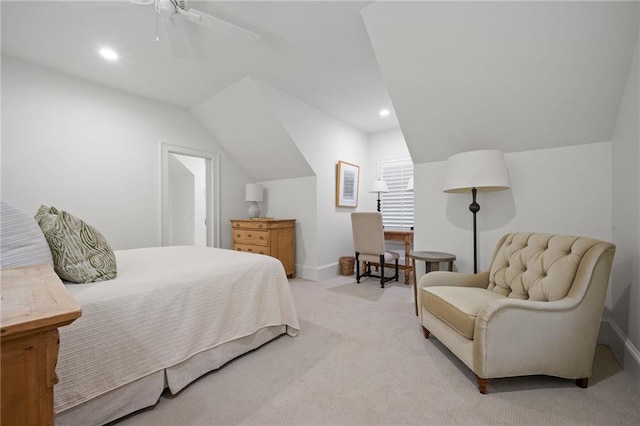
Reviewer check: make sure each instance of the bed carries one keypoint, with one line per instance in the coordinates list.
(171, 315)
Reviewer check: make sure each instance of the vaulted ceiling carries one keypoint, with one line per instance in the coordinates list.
(264, 147)
(513, 75)
(458, 75)
(317, 51)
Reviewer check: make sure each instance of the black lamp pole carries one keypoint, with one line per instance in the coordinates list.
(378, 202)
(475, 208)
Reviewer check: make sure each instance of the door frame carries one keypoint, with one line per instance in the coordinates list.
(212, 167)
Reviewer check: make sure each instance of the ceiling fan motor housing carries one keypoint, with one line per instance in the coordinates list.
(167, 8)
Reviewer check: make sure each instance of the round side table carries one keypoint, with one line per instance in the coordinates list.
(432, 260)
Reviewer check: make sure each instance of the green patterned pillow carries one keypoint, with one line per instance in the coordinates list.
(80, 253)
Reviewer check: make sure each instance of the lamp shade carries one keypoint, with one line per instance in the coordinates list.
(254, 192)
(409, 184)
(379, 186)
(484, 170)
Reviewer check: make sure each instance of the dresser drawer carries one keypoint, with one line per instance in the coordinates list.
(268, 236)
(251, 249)
(250, 224)
(243, 236)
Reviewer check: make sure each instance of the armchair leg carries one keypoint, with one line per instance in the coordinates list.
(425, 332)
(483, 384)
(357, 268)
(583, 383)
(381, 271)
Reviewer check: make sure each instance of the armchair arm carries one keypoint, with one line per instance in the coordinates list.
(521, 337)
(456, 279)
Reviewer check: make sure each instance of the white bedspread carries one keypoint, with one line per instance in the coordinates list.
(166, 305)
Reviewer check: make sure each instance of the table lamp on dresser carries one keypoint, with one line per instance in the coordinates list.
(254, 193)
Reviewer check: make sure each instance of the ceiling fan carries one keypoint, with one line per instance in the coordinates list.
(173, 12)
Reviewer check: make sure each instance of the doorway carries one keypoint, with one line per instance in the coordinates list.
(190, 188)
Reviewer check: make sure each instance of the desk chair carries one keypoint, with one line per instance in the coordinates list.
(368, 242)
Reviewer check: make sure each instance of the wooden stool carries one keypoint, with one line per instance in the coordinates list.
(432, 260)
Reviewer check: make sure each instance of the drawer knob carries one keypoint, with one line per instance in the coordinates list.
(238, 235)
(261, 237)
(249, 235)
(260, 226)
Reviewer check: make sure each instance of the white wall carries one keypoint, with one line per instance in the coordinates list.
(181, 203)
(296, 199)
(560, 190)
(197, 168)
(323, 141)
(625, 283)
(243, 123)
(95, 152)
(387, 144)
(573, 179)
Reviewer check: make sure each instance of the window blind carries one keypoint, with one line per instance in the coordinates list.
(397, 204)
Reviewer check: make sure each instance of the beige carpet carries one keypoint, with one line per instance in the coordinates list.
(360, 359)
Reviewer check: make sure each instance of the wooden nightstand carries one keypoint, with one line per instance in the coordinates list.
(273, 237)
(34, 304)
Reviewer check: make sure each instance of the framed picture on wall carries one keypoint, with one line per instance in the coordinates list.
(348, 178)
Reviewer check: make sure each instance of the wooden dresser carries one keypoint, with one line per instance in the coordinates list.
(34, 304)
(273, 237)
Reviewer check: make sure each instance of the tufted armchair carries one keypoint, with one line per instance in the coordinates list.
(535, 311)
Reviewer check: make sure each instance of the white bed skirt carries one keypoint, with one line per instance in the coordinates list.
(146, 391)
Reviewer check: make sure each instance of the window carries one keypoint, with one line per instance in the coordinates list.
(397, 204)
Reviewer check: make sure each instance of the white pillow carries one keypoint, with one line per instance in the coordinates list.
(21, 240)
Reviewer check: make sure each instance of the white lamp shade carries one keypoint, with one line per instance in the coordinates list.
(254, 192)
(409, 184)
(379, 186)
(484, 170)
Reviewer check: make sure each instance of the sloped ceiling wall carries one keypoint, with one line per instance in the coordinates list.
(513, 76)
(244, 124)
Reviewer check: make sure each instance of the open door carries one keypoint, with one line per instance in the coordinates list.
(190, 197)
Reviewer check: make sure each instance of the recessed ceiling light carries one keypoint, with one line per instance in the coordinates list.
(384, 112)
(109, 54)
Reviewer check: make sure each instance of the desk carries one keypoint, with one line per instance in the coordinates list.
(432, 260)
(405, 235)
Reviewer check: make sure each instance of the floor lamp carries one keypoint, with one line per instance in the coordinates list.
(379, 186)
(476, 171)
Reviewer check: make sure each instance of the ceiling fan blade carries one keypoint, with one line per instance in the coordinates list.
(218, 24)
(175, 38)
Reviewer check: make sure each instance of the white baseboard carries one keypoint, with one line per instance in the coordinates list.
(625, 352)
(319, 273)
